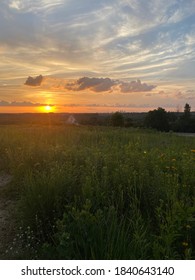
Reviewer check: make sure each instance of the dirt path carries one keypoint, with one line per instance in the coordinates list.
(6, 214)
(185, 134)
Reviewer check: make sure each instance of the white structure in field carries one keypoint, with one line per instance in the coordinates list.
(71, 120)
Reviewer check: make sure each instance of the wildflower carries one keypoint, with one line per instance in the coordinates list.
(173, 159)
(173, 168)
(185, 244)
(193, 151)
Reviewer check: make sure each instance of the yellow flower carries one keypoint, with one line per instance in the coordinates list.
(185, 244)
(193, 151)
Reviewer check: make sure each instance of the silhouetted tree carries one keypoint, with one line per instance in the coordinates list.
(186, 123)
(157, 119)
(117, 119)
(187, 109)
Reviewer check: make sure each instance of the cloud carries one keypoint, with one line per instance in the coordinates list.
(34, 81)
(187, 95)
(15, 5)
(34, 6)
(135, 86)
(111, 105)
(95, 84)
(4, 103)
(98, 36)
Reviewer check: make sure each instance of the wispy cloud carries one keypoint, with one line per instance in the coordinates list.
(98, 36)
(34, 6)
(108, 105)
(121, 41)
(21, 104)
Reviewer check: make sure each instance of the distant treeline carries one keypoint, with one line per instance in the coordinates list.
(161, 120)
(102, 119)
(157, 119)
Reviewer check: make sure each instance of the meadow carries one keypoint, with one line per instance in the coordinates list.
(85, 192)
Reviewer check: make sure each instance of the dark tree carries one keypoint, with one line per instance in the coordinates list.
(187, 109)
(117, 119)
(186, 123)
(157, 119)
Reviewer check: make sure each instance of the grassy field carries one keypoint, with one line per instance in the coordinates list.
(99, 193)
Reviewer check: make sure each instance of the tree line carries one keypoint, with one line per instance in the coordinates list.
(160, 120)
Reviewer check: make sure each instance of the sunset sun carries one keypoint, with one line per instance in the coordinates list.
(48, 108)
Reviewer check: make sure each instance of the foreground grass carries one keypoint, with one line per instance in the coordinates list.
(100, 193)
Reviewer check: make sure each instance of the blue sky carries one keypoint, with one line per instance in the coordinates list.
(145, 48)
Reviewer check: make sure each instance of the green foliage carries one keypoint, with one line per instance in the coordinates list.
(157, 119)
(91, 234)
(102, 193)
(117, 119)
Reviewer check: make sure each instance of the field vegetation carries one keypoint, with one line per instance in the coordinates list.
(86, 192)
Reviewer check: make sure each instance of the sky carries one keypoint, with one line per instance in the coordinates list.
(96, 55)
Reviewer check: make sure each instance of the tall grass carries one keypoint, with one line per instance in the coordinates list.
(103, 193)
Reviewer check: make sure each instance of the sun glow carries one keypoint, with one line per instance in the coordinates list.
(48, 108)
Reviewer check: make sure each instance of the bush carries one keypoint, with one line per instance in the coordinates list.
(117, 119)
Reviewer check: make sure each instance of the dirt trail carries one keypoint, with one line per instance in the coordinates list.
(6, 210)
